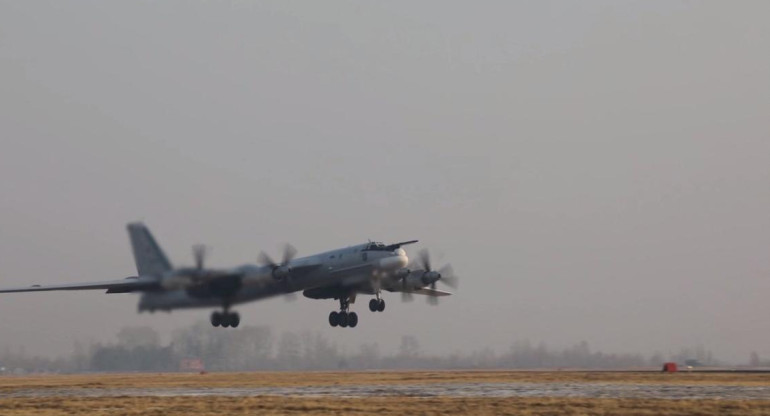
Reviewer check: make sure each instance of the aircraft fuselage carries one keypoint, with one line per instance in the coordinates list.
(346, 267)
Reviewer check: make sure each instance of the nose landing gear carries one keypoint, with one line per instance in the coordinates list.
(343, 318)
(377, 305)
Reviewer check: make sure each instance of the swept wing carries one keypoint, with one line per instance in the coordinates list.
(430, 292)
(129, 284)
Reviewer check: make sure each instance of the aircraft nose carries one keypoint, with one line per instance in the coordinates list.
(401, 253)
(404, 260)
(394, 262)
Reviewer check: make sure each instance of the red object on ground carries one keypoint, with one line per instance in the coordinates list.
(669, 368)
(192, 364)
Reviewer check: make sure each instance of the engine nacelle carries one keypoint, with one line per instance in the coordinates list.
(430, 277)
(181, 279)
(175, 282)
(281, 272)
(401, 273)
(419, 279)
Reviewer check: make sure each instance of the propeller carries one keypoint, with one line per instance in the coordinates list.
(288, 254)
(445, 274)
(405, 295)
(448, 276)
(424, 257)
(199, 253)
(280, 270)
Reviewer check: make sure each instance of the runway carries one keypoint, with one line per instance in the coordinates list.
(531, 393)
(450, 390)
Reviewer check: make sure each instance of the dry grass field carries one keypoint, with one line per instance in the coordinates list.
(327, 378)
(278, 405)
(272, 405)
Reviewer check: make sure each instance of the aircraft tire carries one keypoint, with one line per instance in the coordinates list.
(334, 318)
(352, 319)
(216, 319)
(343, 319)
(373, 304)
(381, 305)
(235, 320)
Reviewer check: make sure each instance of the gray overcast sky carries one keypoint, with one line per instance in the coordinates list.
(594, 170)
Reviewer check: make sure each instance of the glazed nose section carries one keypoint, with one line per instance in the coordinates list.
(397, 261)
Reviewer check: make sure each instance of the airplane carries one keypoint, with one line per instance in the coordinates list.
(338, 274)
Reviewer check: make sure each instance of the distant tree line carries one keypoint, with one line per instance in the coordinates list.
(258, 348)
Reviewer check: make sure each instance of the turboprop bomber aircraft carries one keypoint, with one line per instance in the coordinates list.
(341, 274)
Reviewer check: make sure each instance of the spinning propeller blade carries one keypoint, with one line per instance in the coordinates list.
(289, 252)
(265, 259)
(446, 274)
(199, 253)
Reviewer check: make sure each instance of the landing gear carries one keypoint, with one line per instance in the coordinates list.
(377, 305)
(343, 318)
(216, 319)
(225, 319)
(234, 320)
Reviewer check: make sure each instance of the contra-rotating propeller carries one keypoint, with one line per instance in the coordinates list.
(430, 277)
(199, 253)
(282, 269)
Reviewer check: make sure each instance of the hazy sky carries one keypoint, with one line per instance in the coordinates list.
(594, 170)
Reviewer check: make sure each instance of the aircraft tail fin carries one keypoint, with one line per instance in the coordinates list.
(150, 259)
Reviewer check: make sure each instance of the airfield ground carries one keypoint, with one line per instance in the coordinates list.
(309, 393)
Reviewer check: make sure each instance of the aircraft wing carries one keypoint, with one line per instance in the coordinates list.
(430, 292)
(129, 284)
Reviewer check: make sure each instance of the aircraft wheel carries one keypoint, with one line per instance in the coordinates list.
(334, 318)
(216, 319)
(352, 319)
(381, 305)
(235, 320)
(343, 319)
(373, 304)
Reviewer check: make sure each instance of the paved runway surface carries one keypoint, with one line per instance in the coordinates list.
(465, 390)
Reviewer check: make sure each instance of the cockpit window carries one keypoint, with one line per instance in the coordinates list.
(376, 246)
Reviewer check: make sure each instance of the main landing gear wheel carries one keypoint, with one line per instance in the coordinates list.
(343, 318)
(234, 320)
(216, 319)
(377, 305)
(225, 319)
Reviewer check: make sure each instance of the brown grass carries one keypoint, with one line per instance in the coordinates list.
(279, 405)
(322, 378)
(272, 405)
